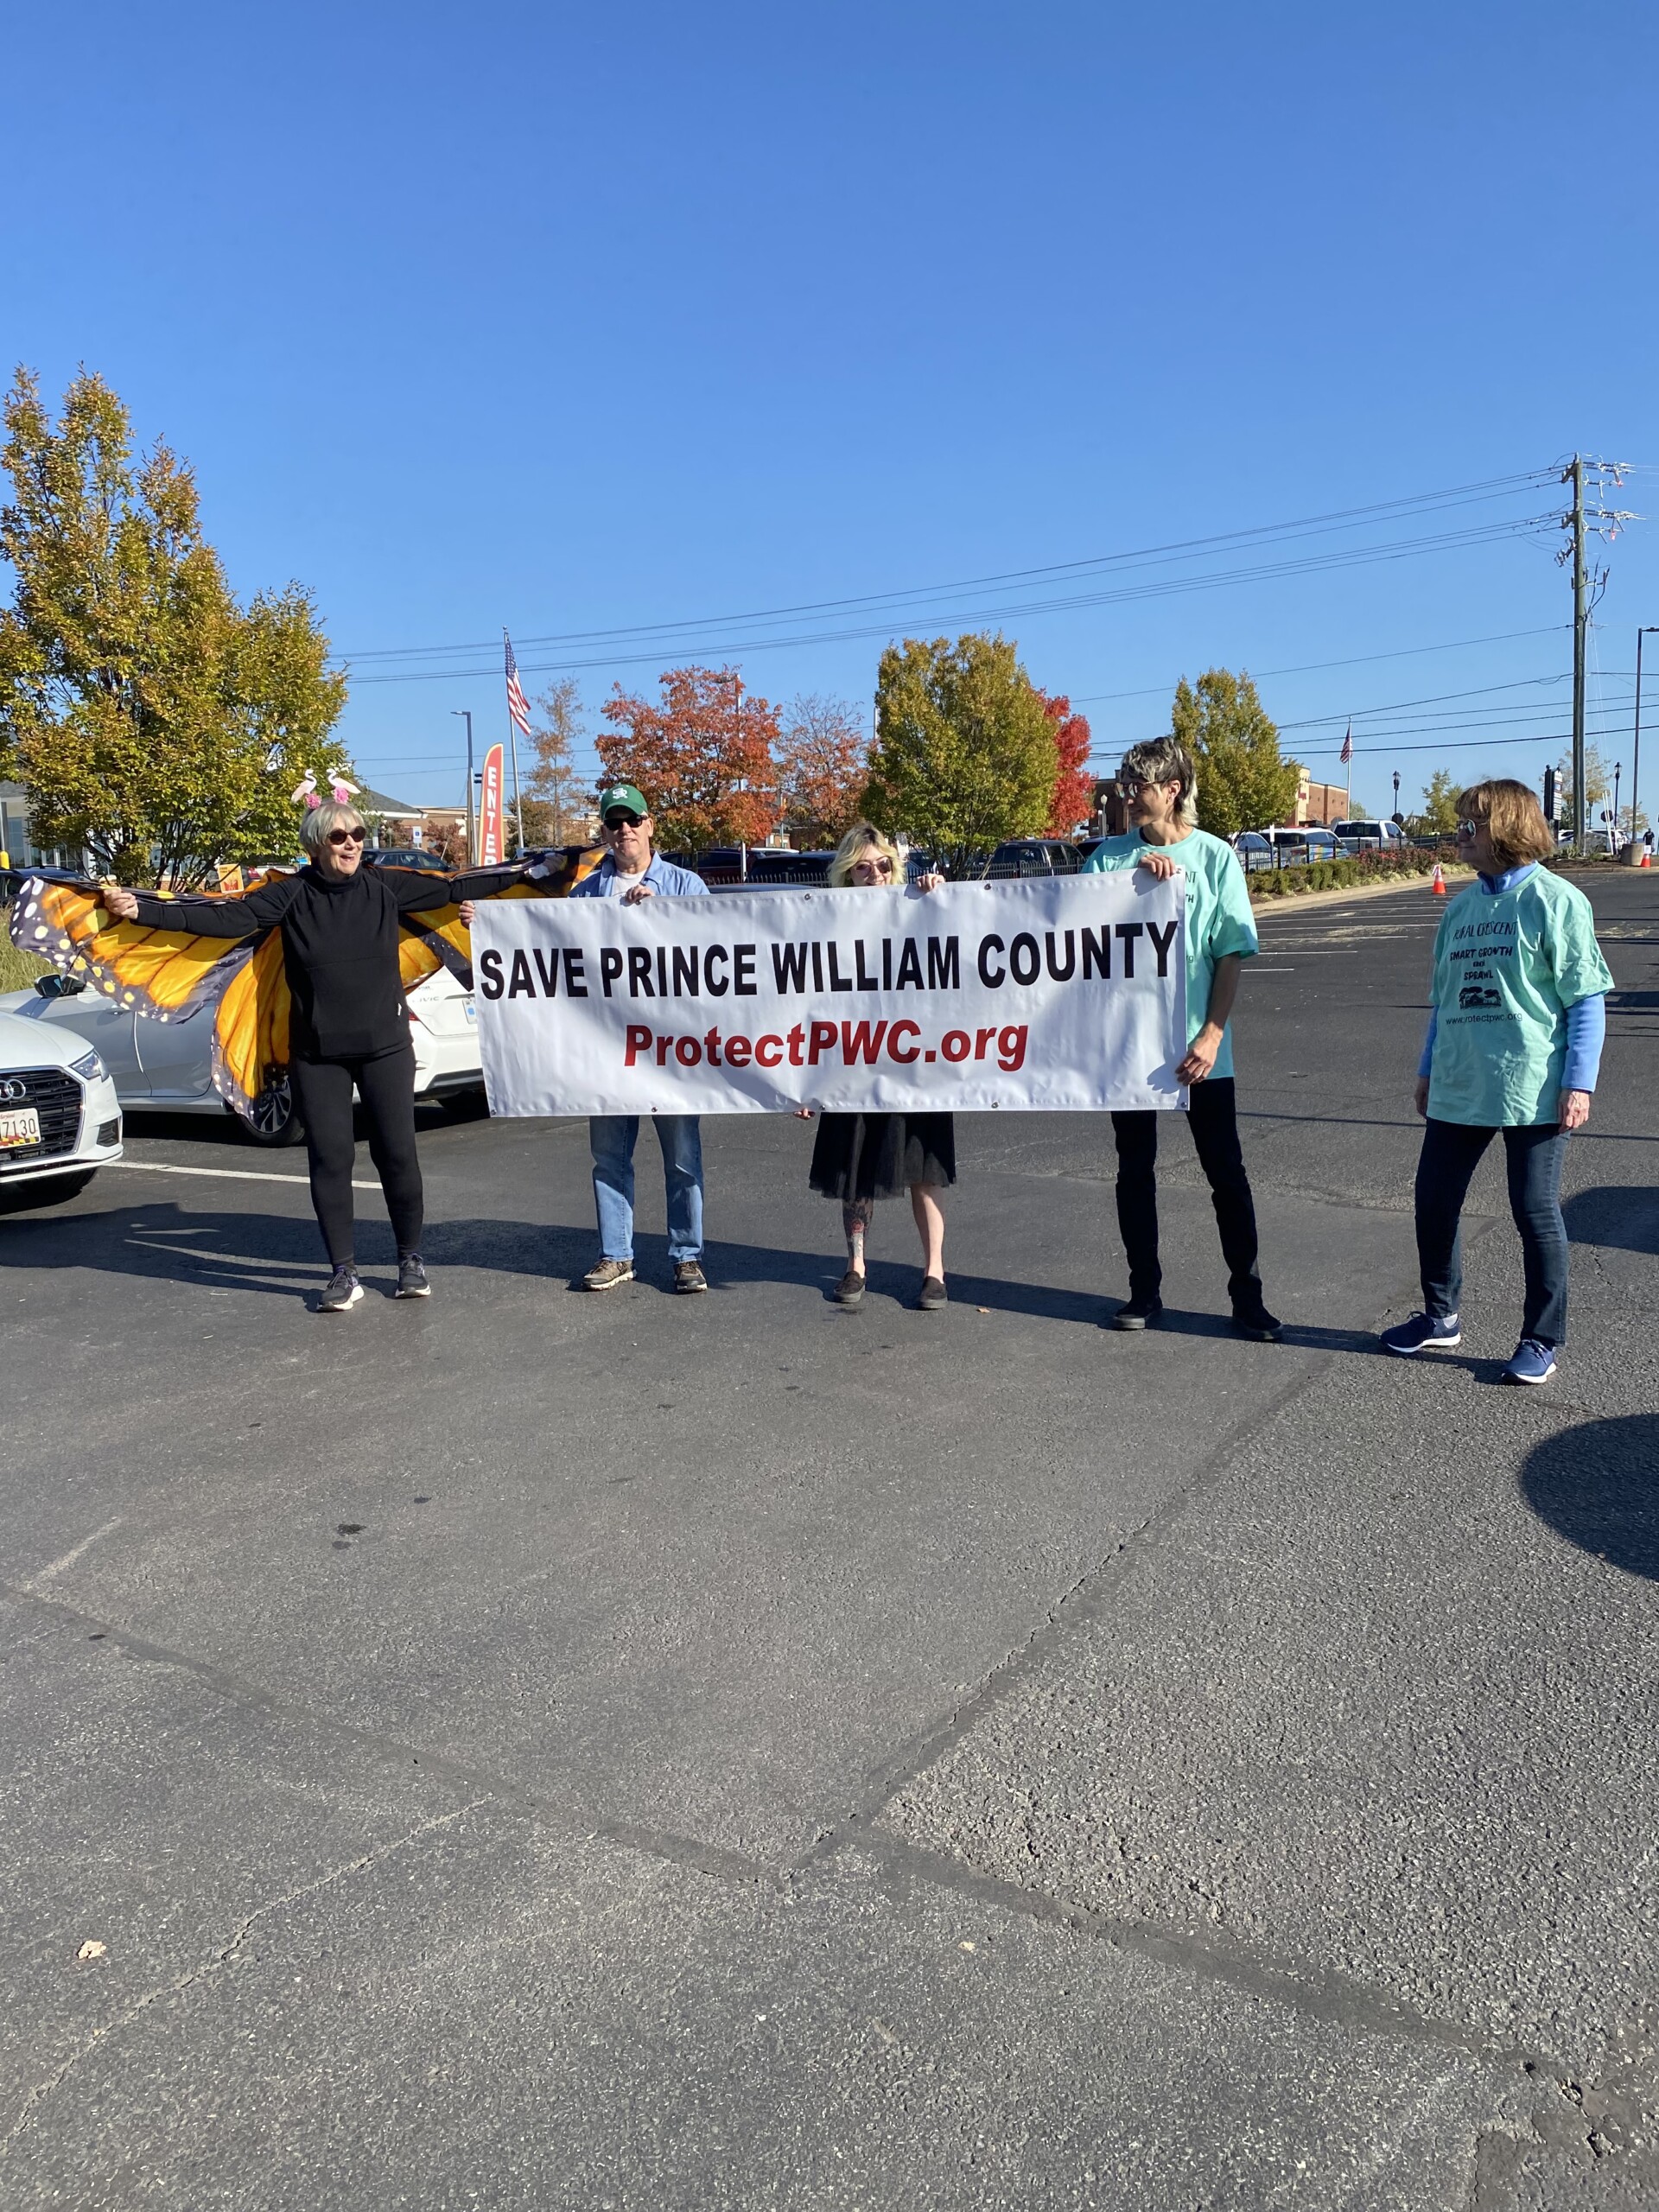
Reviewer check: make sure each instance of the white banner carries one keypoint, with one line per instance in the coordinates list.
(1068, 992)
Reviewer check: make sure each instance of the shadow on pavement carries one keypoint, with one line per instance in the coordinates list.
(1624, 1219)
(1598, 1485)
(282, 1255)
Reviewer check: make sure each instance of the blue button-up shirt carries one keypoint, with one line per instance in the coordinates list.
(667, 881)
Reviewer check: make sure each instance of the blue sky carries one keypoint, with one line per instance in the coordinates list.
(583, 320)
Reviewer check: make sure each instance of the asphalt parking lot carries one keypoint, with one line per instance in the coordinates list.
(532, 1750)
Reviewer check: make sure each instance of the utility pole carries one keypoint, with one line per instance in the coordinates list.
(472, 831)
(1580, 642)
(1650, 630)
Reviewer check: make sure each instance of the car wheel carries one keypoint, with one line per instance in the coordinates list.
(274, 1121)
(45, 1190)
(470, 1105)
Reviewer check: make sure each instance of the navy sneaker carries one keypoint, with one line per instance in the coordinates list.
(413, 1281)
(1533, 1363)
(1423, 1333)
(1139, 1313)
(343, 1292)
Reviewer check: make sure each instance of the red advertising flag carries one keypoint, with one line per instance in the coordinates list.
(490, 841)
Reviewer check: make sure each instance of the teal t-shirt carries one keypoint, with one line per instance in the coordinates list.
(1506, 969)
(1219, 917)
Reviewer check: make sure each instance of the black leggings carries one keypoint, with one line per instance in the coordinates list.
(322, 1092)
(1213, 1120)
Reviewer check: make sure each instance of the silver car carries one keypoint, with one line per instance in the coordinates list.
(166, 1067)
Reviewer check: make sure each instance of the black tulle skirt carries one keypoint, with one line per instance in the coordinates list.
(880, 1155)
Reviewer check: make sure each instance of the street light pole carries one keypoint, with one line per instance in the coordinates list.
(1396, 795)
(1618, 770)
(466, 715)
(1652, 629)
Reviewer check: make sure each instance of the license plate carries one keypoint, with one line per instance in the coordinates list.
(23, 1126)
(472, 1011)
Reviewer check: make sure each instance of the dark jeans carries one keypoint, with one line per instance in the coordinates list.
(1213, 1118)
(322, 1092)
(1451, 1154)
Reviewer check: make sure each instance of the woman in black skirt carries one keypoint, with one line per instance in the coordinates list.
(860, 1158)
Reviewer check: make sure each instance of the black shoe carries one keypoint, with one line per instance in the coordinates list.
(344, 1290)
(1253, 1319)
(1139, 1313)
(933, 1294)
(850, 1288)
(689, 1276)
(411, 1277)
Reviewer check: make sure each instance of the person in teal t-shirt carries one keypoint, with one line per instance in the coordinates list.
(1160, 783)
(1513, 1045)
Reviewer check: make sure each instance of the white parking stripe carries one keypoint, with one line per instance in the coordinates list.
(230, 1174)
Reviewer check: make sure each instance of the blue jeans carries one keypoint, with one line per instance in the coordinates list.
(1451, 1154)
(611, 1137)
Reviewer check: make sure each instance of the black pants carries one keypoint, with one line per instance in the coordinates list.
(1213, 1120)
(322, 1092)
(1533, 1154)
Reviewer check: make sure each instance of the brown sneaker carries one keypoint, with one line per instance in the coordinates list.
(607, 1273)
(850, 1288)
(687, 1277)
(934, 1294)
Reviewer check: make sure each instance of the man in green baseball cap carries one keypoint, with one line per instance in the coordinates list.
(632, 870)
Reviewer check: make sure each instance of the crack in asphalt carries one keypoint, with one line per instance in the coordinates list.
(36, 2097)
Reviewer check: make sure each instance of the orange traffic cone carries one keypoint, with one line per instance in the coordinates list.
(1438, 887)
(1646, 860)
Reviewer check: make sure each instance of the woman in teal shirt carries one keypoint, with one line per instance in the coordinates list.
(1159, 781)
(1513, 1045)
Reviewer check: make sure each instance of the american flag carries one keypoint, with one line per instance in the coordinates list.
(1347, 743)
(517, 706)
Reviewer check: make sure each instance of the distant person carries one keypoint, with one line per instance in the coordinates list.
(1158, 782)
(350, 1026)
(633, 870)
(859, 1158)
(1514, 1048)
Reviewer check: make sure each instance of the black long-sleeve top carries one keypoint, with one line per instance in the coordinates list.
(340, 946)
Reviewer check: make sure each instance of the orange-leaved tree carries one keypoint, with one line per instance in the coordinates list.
(703, 755)
(823, 765)
(1074, 787)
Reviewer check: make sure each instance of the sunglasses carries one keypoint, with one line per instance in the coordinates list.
(1133, 790)
(620, 820)
(877, 866)
(347, 836)
(1469, 829)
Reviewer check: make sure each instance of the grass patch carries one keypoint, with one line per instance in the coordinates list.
(19, 970)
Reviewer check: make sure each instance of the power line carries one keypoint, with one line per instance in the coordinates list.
(1357, 660)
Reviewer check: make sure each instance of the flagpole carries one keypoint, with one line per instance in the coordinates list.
(512, 744)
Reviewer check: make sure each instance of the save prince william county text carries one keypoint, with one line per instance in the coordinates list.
(1061, 994)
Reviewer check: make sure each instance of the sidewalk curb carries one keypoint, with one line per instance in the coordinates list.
(1458, 879)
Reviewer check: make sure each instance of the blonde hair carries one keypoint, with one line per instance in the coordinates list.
(1515, 821)
(863, 837)
(1165, 760)
(333, 814)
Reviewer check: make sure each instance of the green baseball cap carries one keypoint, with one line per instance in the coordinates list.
(628, 795)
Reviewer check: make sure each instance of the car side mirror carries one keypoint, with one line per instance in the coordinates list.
(59, 987)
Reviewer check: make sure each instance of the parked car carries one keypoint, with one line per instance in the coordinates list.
(1308, 842)
(167, 1067)
(60, 1114)
(1380, 836)
(406, 856)
(1028, 856)
(1253, 850)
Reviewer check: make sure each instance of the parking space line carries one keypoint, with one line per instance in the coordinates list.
(229, 1175)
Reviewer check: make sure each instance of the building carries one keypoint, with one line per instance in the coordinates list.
(16, 842)
(1320, 803)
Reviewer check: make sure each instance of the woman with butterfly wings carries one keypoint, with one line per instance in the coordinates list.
(310, 970)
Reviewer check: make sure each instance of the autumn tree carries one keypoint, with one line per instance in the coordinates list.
(823, 763)
(1243, 782)
(158, 725)
(703, 755)
(1598, 787)
(555, 806)
(965, 752)
(1074, 787)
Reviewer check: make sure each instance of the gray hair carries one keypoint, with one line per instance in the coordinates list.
(333, 814)
(1165, 760)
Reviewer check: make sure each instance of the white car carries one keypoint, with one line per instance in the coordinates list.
(166, 1066)
(59, 1117)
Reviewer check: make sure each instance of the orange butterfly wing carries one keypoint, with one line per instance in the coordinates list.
(250, 1030)
(167, 974)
